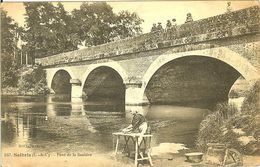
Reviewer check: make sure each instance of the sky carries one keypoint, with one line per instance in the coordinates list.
(150, 11)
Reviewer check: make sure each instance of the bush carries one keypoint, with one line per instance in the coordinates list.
(9, 71)
(233, 94)
(228, 126)
(212, 128)
(251, 104)
(34, 81)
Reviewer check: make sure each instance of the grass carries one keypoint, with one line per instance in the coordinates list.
(223, 124)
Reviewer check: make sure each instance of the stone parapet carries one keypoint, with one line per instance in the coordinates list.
(237, 23)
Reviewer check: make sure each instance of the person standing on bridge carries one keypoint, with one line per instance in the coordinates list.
(168, 25)
(154, 28)
(159, 26)
(229, 8)
(174, 24)
(168, 29)
(189, 18)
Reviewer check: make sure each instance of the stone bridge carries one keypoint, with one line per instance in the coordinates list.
(195, 62)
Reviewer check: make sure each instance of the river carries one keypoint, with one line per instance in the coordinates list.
(54, 124)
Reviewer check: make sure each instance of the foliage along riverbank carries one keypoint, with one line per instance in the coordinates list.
(30, 81)
(238, 129)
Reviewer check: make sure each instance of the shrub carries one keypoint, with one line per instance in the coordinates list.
(212, 128)
(251, 104)
(34, 81)
(220, 126)
(233, 94)
(9, 71)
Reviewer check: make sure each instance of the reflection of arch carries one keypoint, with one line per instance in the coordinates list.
(62, 84)
(113, 65)
(223, 54)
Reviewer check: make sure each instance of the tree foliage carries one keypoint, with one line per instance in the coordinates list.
(94, 23)
(48, 29)
(8, 33)
(8, 47)
(33, 81)
(98, 24)
(51, 29)
(9, 70)
(128, 24)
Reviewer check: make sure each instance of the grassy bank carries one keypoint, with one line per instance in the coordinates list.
(31, 81)
(227, 125)
(15, 91)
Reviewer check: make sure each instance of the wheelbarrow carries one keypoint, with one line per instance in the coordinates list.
(222, 155)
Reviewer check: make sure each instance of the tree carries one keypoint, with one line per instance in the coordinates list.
(66, 38)
(96, 23)
(9, 65)
(48, 29)
(128, 24)
(8, 33)
(9, 75)
(51, 29)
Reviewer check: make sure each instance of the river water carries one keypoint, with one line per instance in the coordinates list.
(54, 124)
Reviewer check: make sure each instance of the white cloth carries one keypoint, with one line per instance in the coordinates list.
(142, 128)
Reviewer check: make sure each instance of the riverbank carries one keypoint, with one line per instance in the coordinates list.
(237, 128)
(15, 91)
(30, 80)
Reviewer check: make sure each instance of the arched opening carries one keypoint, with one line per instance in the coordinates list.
(238, 91)
(191, 81)
(104, 90)
(61, 83)
(182, 91)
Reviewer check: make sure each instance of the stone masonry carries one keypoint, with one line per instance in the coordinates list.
(225, 45)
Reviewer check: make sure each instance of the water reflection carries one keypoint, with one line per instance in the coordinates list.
(56, 124)
(19, 128)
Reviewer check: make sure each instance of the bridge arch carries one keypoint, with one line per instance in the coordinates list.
(111, 64)
(108, 77)
(60, 81)
(222, 54)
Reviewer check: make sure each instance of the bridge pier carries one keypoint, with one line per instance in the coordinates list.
(134, 95)
(77, 108)
(76, 94)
